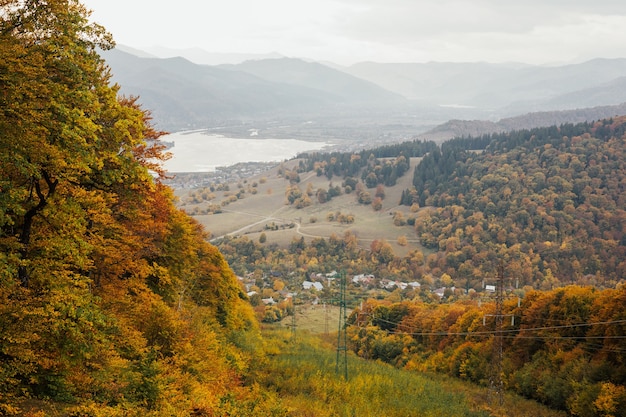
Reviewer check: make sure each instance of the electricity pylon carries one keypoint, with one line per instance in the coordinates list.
(293, 318)
(495, 379)
(342, 334)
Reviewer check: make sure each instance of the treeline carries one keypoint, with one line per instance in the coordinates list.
(445, 165)
(347, 164)
(368, 169)
(550, 201)
(564, 348)
(112, 303)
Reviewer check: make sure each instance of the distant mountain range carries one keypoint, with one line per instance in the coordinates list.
(182, 94)
(465, 128)
(509, 88)
(198, 55)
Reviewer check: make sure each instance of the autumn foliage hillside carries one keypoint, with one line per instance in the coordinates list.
(563, 348)
(549, 202)
(111, 300)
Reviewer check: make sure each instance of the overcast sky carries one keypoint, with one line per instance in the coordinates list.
(349, 31)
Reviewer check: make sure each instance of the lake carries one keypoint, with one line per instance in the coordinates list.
(200, 151)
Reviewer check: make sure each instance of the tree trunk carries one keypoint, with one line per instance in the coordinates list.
(27, 224)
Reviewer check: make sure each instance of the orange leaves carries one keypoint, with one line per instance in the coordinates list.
(564, 348)
(102, 279)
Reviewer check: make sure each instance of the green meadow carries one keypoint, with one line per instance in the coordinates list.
(304, 374)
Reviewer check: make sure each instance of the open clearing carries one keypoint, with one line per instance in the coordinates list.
(263, 208)
(315, 319)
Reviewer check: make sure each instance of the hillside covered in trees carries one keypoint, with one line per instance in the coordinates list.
(564, 348)
(113, 303)
(548, 206)
(550, 202)
(111, 300)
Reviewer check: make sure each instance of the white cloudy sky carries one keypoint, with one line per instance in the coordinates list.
(348, 31)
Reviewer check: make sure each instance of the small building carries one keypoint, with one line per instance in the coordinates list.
(307, 285)
(441, 291)
(390, 285)
(268, 301)
(366, 279)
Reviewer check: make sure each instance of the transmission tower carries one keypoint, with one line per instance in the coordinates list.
(293, 318)
(326, 318)
(495, 379)
(342, 334)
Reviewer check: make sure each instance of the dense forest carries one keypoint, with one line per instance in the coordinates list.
(111, 300)
(351, 165)
(564, 347)
(550, 201)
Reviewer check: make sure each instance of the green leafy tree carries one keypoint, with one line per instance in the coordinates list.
(97, 266)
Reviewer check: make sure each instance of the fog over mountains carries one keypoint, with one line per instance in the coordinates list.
(182, 94)
(511, 87)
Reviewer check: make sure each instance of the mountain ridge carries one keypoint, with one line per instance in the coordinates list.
(489, 85)
(182, 94)
(475, 128)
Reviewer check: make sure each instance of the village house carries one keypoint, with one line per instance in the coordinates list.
(307, 285)
(390, 284)
(441, 291)
(365, 279)
(268, 301)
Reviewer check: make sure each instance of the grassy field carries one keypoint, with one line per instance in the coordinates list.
(255, 213)
(315, 319)
(303, 373)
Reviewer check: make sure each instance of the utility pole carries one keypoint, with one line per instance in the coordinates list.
(294, 283)
(326, 318)
(342, 334)
(495, 379)
(496, 350)
(293, 318)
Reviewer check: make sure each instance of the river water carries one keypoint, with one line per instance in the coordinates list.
(200, 151)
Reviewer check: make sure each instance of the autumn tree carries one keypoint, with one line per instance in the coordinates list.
(377, 204)
(97, 266)
(69, 150)
(561, 349)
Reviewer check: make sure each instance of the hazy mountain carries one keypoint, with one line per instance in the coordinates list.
(610, 93)
(203, 57)
(464, 128)
(182, 94)
(435, 82)
(134, 51)
(295, 71)
(518, 87)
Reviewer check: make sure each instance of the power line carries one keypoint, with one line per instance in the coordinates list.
(566, 337)
(504, 331)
